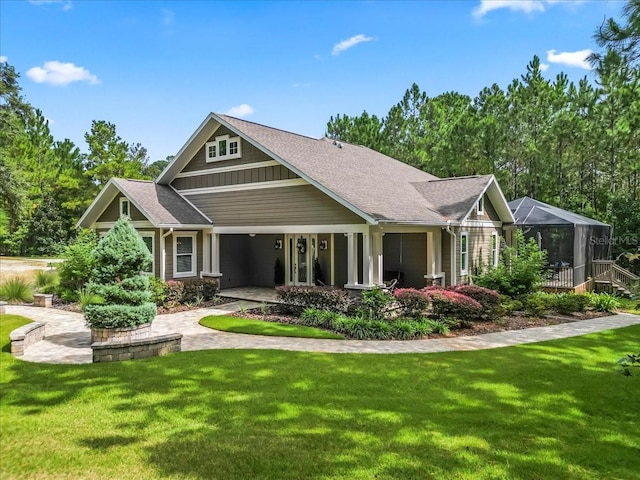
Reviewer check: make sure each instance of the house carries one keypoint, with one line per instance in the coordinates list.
(577, 246)
(240, 195)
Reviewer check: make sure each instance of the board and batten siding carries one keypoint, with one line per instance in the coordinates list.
(250, 154)
(489, 214)
(236, 177)
(297, 205)
(112, 212)
(479, 248)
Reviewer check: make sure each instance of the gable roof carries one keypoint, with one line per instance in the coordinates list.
(530, 212)
(160, 204)
(378, 188)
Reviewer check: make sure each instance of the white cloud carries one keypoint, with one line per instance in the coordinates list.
(240, 111)
(4, 59)
(570, 59)
(544, 67)
(526, 6)
(59, 73)
(168, 17)
(351, 42)
(66, 4)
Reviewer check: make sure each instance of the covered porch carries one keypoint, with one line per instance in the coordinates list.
(350, 256)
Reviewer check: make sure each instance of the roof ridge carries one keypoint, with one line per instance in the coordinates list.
(271, 128)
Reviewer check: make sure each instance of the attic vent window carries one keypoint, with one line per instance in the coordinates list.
(481, 205)
(222, 148)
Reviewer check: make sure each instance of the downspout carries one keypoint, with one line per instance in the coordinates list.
(454, 273)
(163, 264)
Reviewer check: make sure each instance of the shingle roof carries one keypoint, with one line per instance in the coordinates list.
(528, 211)
(454, 197)
(161, 204)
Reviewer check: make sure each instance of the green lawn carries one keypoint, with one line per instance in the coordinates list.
(261, 327)
(552, 410)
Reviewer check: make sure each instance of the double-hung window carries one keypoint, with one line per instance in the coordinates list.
(184, 254)
(148, 239)
(222, 148)
(464, 254)
(493, 260)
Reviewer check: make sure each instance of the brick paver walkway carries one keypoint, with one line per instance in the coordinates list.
(68, 338)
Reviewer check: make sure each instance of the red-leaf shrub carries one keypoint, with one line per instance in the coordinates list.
(413, 302)
(447, 303)
(487, 298)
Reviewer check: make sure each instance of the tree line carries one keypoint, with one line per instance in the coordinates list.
(576, 146)
(46, 184)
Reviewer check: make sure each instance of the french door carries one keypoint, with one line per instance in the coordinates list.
(300, 253)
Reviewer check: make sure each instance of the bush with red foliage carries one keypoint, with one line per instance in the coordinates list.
(413, 303)
(489, 299)
(451, 304)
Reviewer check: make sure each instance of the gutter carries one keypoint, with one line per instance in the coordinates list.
(454, 276)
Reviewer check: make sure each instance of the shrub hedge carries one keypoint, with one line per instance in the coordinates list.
(448, 303)
(296, 299)
(413, 303)
(487, 298)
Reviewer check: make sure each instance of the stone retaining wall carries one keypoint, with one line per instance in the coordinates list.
(124, 334)
(156, 346)
(25, 336)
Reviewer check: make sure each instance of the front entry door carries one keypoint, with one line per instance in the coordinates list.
(300, 254)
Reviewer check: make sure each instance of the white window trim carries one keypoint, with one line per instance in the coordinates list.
(480, 208)
(194, 262)
(493, 259)
(151, 235)
(216, 143)
(122, 201)
(464, 269)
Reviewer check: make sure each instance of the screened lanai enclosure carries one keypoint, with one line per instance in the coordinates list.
(573, 242)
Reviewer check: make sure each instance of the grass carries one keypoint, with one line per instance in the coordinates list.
(628, 305)
(261, 327)
(550, 410)
(16, 290)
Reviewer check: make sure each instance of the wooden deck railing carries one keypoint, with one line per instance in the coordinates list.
(608, 271)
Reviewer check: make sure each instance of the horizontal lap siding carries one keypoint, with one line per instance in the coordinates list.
(299, 205)
(253, 175)
(112, 212)
(250, 154)
(479, 249)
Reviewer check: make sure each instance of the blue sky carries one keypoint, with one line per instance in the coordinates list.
(156, 69)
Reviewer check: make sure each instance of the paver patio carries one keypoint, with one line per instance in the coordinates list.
(67, 338)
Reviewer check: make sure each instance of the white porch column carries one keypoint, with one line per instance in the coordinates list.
(163, 253)
(367, 261)
(352, 259)
(431, 261)
(378, 261)
(215, 254)
(206, 252)
(333, 260)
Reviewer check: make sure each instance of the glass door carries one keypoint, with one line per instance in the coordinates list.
(301, 252)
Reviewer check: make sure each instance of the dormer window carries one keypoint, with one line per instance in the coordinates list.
(222, 148)
(481, 205)
(125, 211)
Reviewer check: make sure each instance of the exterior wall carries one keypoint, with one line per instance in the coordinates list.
(169, 253)
(340, 259)
(324, 257)
(112, 212)
(246, 260)
(299, 205)
(235, 177)
(406, 253)
(479, 249)
(446, 240)
(250, 154)
(489, 214)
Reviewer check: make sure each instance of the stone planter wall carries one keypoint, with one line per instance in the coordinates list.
(24, 336)
(156, 346)
(120, 334)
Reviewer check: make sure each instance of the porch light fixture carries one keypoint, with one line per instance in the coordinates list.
(278, 244)
(252, 235)
(323, 244)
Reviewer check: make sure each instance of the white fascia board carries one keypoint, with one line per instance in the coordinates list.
(298, 172)
(498, 201)
(232, 168)
(243, 187)
(97, 202)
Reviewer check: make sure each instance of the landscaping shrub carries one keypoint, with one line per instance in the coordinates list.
(487, 298)
(510, 305)
(413, 303)
(296, 299)
(441, 327)
(195, 288)
(173, 292)
(46, 279)
(75, 271)
(361, 328)
(520, 271)
(447, 303)
(86, 298)
(158, 290)
(16, 290)
(566, 303)
(403, 329)
(381, 330)
(375, 303)
(311, 317)
(628, 364)
(119, 258)
(538, 304)
(603, 302)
